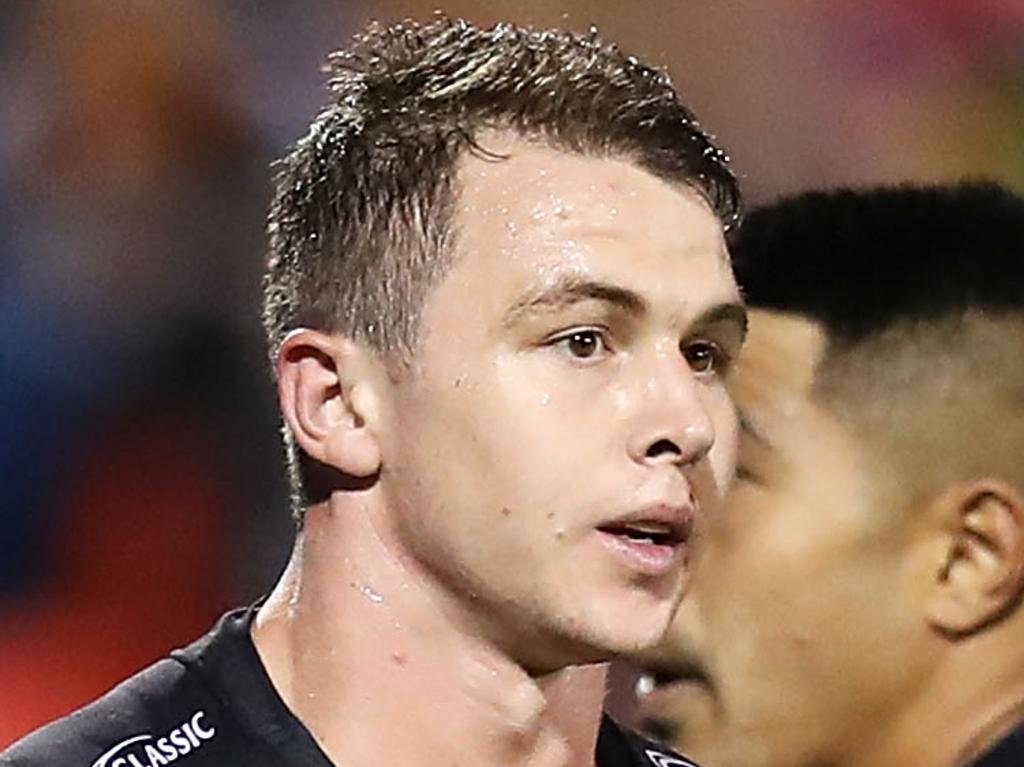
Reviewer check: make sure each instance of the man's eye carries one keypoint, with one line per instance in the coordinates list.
(583, 344)
(704, 357)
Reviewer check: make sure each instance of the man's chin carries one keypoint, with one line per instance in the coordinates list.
(623, 645)
(586, 648)
(611, 627)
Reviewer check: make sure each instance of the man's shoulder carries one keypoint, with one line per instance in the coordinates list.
(619, 746)
(162, 714)
(145, 709)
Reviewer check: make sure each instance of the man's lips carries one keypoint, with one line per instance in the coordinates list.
(650, 540)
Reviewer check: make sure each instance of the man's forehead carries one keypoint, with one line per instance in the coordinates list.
(509, 173)
(493, 174)
(538, 228)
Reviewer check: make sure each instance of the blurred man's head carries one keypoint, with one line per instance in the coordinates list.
(501, 307)
(861, 593)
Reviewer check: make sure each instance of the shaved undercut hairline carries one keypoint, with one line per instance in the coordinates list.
(935, 401)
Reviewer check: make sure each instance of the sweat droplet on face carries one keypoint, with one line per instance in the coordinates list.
(570, 247)
(545, 398)
(370, 594)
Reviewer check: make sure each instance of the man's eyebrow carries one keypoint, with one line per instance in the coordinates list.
(569, 290)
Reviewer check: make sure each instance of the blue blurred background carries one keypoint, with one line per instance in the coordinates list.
(140, 484)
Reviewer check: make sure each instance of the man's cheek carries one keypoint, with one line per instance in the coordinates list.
(723, 469)
(724, 451)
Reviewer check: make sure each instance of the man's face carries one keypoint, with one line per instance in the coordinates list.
(565, 417)
(796, 640)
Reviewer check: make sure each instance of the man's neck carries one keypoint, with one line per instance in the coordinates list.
(967, 707)
(359, 650)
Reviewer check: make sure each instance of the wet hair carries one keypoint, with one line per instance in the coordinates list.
(860, 261)
(361, 213)
(360, 225)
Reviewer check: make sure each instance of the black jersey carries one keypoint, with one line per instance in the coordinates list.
(213, 705)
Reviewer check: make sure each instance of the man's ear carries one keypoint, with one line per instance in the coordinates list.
(327, 387)
(979, 573)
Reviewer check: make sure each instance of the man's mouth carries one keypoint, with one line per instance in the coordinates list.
(650, 533)
(652, 541)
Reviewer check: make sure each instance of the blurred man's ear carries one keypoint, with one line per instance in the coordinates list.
(327, 391)
(978, 553)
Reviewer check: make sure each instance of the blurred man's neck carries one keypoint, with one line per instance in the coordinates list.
(356, 645)
(968, 706)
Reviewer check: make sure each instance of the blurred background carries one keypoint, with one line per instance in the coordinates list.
(141, 492)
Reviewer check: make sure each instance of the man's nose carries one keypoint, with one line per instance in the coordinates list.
(676, 425)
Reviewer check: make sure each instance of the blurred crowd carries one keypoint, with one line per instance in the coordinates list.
(141, 489)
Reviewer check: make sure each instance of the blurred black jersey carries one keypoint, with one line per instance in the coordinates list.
(1008, 752)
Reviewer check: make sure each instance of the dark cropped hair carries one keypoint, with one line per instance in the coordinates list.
(861, 261)
(920, 291)
(361, 217)
(360, 222)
